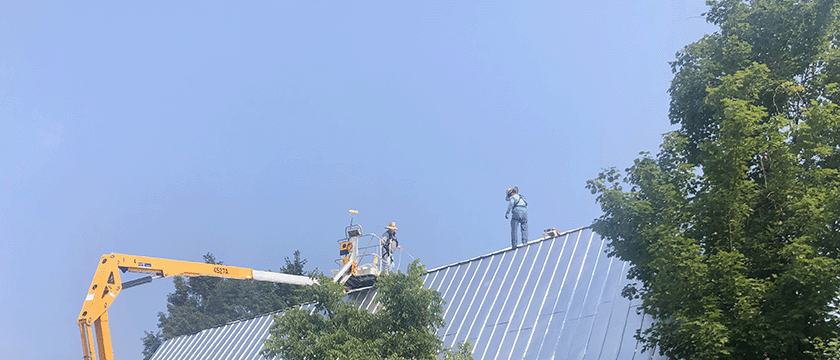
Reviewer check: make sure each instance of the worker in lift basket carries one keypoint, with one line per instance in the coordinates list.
(519, 207)
(389, 247)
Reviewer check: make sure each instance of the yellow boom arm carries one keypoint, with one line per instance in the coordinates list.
(106, 285)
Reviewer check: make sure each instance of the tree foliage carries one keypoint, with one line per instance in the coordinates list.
(403, 328)
(732, 228)
(464, 352)
(200, 303)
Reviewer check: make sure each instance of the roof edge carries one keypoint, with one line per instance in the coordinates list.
(505, 249)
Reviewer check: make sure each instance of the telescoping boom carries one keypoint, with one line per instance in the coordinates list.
(106, 285)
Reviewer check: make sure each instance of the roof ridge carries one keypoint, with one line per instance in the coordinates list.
(503, 250)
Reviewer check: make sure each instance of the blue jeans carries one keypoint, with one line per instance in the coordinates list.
(519, 215)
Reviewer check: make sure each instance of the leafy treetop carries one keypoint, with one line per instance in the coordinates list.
(733, 228)
(403, 327)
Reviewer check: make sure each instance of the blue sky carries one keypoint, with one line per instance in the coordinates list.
(173, 129)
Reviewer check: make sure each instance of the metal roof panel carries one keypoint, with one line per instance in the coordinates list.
(551, 298)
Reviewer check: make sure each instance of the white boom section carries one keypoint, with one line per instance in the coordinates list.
(342, 271)
(282, 278)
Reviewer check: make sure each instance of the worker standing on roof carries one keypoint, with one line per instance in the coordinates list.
(389, 247)
(519, 207)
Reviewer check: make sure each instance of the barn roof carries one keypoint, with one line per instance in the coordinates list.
(553, 298)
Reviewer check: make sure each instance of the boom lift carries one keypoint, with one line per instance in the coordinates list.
(106, 285)
(354, 273)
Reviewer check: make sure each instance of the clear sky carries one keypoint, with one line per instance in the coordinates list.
(249, 129)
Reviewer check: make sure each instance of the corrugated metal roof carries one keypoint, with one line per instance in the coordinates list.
(239, 340)
(556, 298)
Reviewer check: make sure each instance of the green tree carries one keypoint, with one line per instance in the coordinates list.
(403, 328)
(200, 303)
(151, 342)
(732, 228)
(464, 352)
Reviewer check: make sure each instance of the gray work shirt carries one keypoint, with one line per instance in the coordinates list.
(514, 202)
(390, 242)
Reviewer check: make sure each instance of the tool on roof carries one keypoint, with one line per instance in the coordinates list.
(550, 233)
